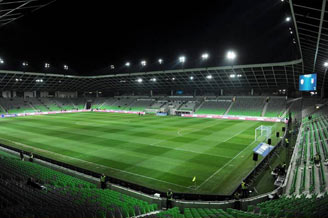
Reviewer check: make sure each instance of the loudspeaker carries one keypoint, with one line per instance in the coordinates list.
(269, 141)
(283, 129)
(255, 156)
(277, 134)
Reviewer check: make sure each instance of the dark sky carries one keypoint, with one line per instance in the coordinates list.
(89, 36)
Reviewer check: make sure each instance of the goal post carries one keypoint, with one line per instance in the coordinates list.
(263, 133)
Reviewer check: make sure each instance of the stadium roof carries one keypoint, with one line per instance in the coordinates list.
(11, 10)
(309, 30)
(311, 22)
(258, 76)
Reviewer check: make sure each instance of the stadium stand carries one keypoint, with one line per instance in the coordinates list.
(276, 107)
(189, 106)
(120, 103)
(158, 104)
(16, 105)
(215, 105)
(50, 103)
(248, 106)
(29, 189)
(301, 206)
(140, 104)
(306, 176)
(79, 103)
(38, 105)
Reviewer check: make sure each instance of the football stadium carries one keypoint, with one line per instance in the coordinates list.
(221, 133)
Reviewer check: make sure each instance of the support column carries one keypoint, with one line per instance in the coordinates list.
(171, 92)
(151, 93)
(221, 92)
(252, 92)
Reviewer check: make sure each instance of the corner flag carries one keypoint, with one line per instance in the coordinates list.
(194, 179)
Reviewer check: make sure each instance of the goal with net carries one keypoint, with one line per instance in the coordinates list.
(263, 133)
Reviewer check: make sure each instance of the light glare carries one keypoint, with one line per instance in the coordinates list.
(231, 55)
(205, 56)
(182, 59)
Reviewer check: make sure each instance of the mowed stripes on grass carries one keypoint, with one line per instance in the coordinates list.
(157, 152)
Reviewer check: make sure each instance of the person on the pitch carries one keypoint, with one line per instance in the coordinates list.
(169, 199)
(103, 181)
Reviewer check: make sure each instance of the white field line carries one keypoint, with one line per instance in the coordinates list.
(94, 164)
(181, 149)
(227, 163)
(195, 129)
(216, 172)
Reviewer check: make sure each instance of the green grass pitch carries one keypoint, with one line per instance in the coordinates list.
(157, 152)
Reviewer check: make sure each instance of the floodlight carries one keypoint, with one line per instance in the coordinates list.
(160, 61)
(25, 64)
(191, 78)
(232, 75)
(325, 64)
(112, 67)
(209, 77)
(173, 78)
(182, 59)
(127, 64)
(46, 65)
(239, 75)
(143, 63)
(139, 80)
(291, 32)
(288, 19)
(153, 79)
(2, 61)
(205, 56)
(231, 55)
(65, 67)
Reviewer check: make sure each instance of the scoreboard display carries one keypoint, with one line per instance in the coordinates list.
(308, 82)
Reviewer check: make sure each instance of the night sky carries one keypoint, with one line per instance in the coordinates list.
(89, 36)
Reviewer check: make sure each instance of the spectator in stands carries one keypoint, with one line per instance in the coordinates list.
(21, 155)
(103, 181)
(317, 159)
(31, 157)
(244, 189)
(169, 199)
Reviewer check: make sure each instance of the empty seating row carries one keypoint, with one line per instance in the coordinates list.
(61, 195)
(247, 106)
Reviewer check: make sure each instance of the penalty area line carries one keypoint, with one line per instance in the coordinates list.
(224, 166)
